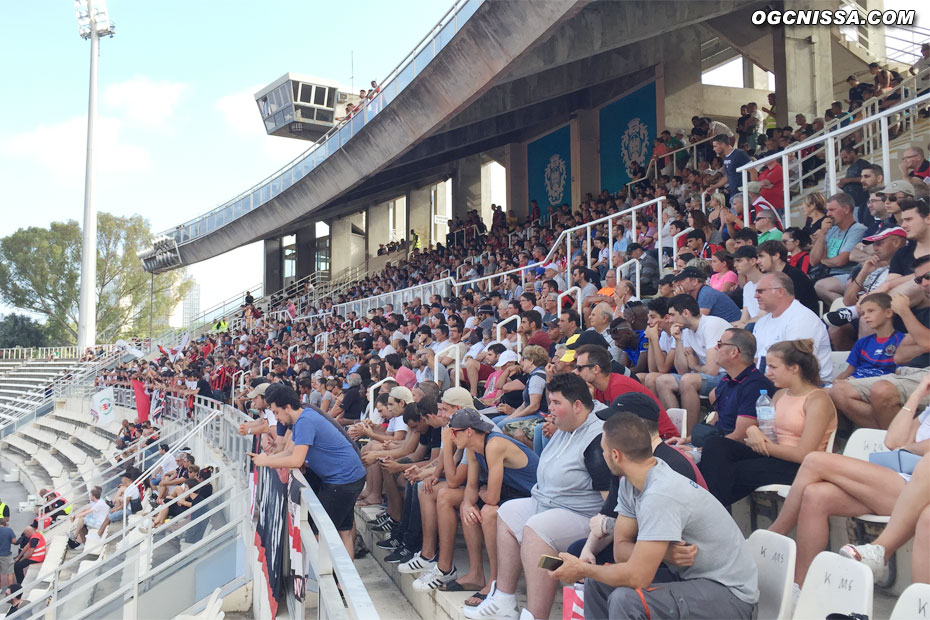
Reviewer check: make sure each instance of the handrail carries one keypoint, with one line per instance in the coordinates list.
(510, 319)
(675, 242)
(566, 293)
(374, 106)
(371, 412)
(639, 268)
(335, 562)
(692, 146)
(456, 356)
(566, 234)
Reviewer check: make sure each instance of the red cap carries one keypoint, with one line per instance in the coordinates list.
(894, 231)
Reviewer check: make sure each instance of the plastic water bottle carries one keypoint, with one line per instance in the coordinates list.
(765, 414)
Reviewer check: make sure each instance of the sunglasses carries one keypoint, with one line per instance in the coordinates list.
(891, 198)
(919, 279)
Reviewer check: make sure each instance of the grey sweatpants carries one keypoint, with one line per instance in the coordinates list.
(694, 598)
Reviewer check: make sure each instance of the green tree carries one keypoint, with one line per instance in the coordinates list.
(40, 272)
(19, 330)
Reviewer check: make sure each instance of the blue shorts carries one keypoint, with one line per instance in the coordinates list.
(708, 382)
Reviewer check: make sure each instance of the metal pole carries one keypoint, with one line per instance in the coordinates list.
(87, 307)
(151, 307)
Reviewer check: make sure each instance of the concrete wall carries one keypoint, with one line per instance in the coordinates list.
(680, 78)
(466, 186)
(347, 247)
(274, 280)
(586, 168)
(517, 190)
(379, 228)
(722, 102)
(418, 214)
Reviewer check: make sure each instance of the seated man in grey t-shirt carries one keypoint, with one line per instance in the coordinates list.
(664, 516)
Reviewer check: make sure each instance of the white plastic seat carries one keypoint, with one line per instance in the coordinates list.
(775, 558)
(835, 584)
(913, 603)
(678, 417)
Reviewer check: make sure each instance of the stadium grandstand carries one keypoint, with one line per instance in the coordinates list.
(682, 370)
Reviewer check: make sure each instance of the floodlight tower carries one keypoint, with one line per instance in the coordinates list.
(93, 23)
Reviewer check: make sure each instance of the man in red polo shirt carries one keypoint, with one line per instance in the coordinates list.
(592, 363)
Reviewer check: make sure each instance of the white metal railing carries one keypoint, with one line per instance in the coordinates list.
(637, 267)
(456, 357)
(333, 566)
(675, 247)
(371, 412)
(442, 287)
(500, 326)
(51, 353)
(653, 165)
(875, 137)
(566, 234)
(574, 290)
(338, 136)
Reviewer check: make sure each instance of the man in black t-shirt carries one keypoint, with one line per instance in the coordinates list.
(732, 160)
(773, 256)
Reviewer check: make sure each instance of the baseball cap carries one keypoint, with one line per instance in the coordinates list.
(633, 402)
(894, 187)
(667, 279)
(576, 340)
(551, 266)
(690, 272)
(754, 187)
(746, 251)
(894, 231)
(469, 418)
(401, 393)
(485, 310)
(458, 397)
(258, 390)
(506, 357)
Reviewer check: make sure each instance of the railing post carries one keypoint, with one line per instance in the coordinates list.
(660, 207)
(746, 203)
(610, 245)
(786, 190)
(886, 147)
(831, 164)
(675, 245)
(558, 302)
(511, 319)
(587, 245)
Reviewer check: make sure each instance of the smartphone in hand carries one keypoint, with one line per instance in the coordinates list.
(549, 562)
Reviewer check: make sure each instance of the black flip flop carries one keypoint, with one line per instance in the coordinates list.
(455, 586)
(477, 595)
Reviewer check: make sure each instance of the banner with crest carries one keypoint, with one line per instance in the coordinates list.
(628, 132)
(549, 169)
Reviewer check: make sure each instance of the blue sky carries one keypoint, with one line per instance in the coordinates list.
(178, 130)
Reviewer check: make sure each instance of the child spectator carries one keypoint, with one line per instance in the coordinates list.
(873, 355)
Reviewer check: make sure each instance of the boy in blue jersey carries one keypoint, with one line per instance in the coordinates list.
(873, 355)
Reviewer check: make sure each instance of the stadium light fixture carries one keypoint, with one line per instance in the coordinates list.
(93, 23)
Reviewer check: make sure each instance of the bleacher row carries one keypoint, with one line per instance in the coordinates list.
(64, 450)
(23, 382)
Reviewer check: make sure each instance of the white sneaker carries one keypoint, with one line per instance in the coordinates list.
(872, 556)
(433, 578)
(795, 596)
(526, 615)
(497, 606)
(416, 564)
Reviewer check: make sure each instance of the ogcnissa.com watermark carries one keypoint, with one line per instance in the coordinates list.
(834, 18)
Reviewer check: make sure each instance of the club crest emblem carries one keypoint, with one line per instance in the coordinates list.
(634, 145)
(555, 179)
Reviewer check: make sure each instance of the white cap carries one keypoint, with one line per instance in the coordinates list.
(506, 356)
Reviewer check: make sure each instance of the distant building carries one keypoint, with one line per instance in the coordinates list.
(191, 304)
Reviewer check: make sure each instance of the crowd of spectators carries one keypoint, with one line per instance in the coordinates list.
(556, 439)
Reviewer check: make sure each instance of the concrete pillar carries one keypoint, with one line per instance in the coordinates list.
(306, 247)
(517, 179)
(273, 263)
(348, 245)
(379, 227)
(466, 186)
(486, 195)
(804, 58)
(586, 168)
(680, 79)
(418, 214)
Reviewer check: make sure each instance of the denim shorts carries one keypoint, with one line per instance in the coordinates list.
(708, 382)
